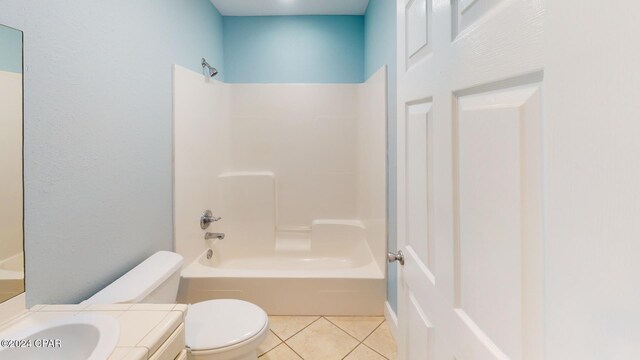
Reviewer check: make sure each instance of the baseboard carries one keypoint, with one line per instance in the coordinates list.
(392, 319)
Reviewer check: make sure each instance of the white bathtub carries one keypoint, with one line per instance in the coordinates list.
(327, 270)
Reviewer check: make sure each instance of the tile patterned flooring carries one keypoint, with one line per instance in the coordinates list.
(328, 338)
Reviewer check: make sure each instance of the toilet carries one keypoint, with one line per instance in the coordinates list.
(223, 329)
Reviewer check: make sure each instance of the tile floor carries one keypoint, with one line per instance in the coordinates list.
(328, 338)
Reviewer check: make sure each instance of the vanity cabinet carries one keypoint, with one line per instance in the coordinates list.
(146, 331)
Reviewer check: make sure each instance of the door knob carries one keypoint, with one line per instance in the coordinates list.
(399, 257)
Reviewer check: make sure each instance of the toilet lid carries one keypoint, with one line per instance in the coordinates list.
(218, 323)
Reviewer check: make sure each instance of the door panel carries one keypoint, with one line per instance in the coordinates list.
(489, 211)
(469, 179)
(417, 36)
(417, 186)
(466, 12)
(419, 329)
(417, 25)
(497, 163)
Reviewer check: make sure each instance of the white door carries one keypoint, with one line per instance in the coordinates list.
(519, 179)
(470, 225)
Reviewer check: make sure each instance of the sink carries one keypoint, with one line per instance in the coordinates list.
(76, 337)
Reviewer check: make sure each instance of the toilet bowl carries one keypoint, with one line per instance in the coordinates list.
(245, 326)
(224, 329)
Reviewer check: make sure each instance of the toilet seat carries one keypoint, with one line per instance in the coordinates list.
(223, 325)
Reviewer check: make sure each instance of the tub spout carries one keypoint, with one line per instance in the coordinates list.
(218, 236)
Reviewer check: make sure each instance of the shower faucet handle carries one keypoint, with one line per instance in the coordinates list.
(207, 218)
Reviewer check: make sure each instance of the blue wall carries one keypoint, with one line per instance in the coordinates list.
(98, 132)
(10, 50)
(294, 49)
(98, 116)
(380, 49)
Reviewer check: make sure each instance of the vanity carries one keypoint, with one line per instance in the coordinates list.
(72, 332)
(124, 332)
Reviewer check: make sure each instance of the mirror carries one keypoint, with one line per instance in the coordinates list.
(11, 185)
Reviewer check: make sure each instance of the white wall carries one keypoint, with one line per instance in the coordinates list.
(305, 134)
(201, 119)
(371, 162)
(10, 164)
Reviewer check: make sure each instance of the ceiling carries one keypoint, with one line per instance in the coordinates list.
(290, 7)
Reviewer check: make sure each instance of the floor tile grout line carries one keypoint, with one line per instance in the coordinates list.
(278, 344)
(352, 350)
(374, 330)
(368, 347)
(345, 331)
(374, 350)
(276, 335)
(329, 321)
(270, 350)
(369, 334)
(297, 332)
(285, 344)
(360, 342)
(311, 323)
(290, 348)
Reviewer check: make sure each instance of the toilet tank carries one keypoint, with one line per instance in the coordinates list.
(154, 280)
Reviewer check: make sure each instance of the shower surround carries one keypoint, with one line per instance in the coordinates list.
(297, 173)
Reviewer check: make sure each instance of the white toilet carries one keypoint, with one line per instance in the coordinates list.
(214, 330)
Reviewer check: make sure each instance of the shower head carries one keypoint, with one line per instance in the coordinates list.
(212, 71)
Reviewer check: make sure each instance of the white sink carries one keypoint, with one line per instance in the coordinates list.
(77, 337)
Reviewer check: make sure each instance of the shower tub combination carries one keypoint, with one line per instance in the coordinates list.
(326, 269)
(338, 277)
(297, 172)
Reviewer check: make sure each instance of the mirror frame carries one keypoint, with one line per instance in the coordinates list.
(14, 298)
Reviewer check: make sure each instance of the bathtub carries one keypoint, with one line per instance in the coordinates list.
(325, 270)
